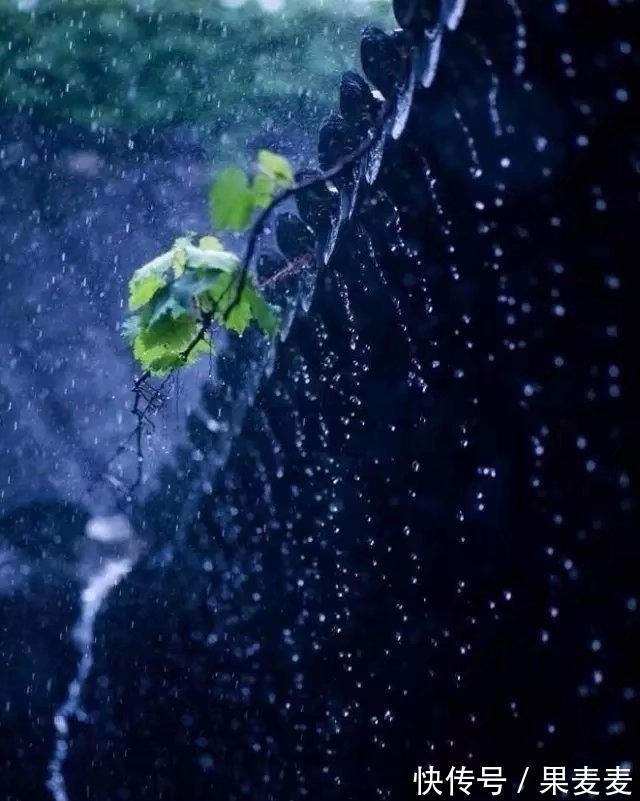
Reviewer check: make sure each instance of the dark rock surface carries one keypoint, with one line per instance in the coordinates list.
(420, 549)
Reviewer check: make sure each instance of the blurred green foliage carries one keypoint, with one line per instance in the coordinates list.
(114, 64)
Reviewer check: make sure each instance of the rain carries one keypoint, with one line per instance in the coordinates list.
(389, 547)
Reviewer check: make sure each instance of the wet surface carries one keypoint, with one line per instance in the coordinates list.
(410, 543)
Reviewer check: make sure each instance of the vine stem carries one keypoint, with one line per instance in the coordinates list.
(291, 268)
(256, 231)
(324, 177)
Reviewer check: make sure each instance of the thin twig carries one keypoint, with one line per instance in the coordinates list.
(205, 325)
(291, 268)
(338, 168)
(154, 397)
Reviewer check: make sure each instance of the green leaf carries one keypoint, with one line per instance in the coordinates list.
(147, 280)
(212, 259)
(146, 356)
(130, 328)
(205, 346)
(174, 300)
(142, 287)
(237, 312)
(195, 282)
(237, 317)
(210, 243)
(231, 200)
(174, 332)
(165, 363)
(171, 292)
(263, 189)
(160, 359)
(277, 167)
(174, 361)
(179, 261)
(221, 289)
(180, 257)
(228, 309)
(262, 311)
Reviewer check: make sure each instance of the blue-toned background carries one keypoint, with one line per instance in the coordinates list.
(406, 539)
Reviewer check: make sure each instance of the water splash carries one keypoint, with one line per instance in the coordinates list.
(286, 321)
(451, 13)
(521, 37)
(308, 281)
(331, 240)
(374, 158)
(345, 203)
(492, 98)
(358, 173)
(430, 56)
(403, 106)
(103, 574)
(476, 169)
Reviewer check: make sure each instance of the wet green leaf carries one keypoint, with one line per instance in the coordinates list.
(160, 359)
(170, 331)
(148, 279)
(173, 291)
(174, 300)
(130, 328)
(263, 189)
(143, 286)
(231, 200)
(213, 259)
(179, 260)
(277, 167)
(210, 243)
(262, 311)
(168, 361)
(205, 346)
(195, 282)
(147, 356)
(229, 309)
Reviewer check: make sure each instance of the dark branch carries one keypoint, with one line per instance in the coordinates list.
(205, 325)
(291, 268)
(153, 397)
(338, 168)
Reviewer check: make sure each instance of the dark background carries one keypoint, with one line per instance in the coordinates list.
(421, 549)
